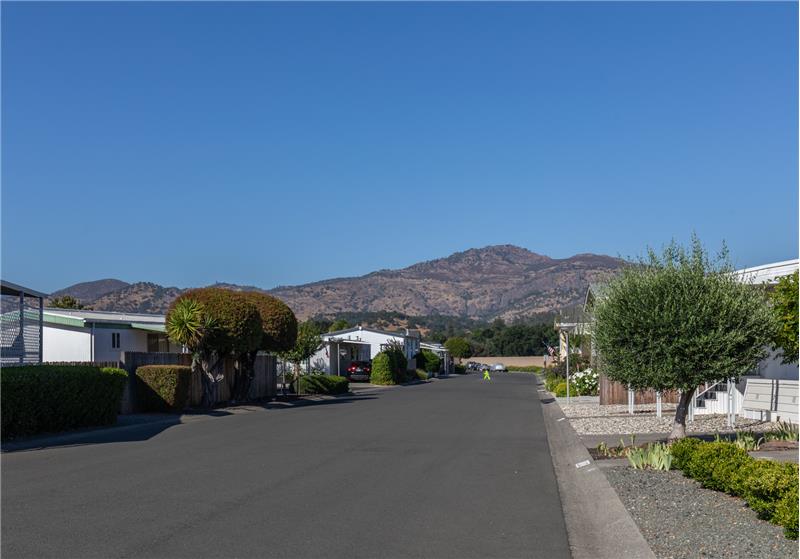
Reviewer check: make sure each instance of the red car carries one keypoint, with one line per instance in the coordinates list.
(359, 370)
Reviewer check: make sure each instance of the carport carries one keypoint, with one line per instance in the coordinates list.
(342, 352)
(21, 325)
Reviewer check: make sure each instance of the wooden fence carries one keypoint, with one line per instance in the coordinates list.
(616, 393)
(263, 386)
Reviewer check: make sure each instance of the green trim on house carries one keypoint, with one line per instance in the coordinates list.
(63, 320)
(150, 327)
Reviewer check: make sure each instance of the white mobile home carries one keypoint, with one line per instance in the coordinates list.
(83, 335)
(342, 347)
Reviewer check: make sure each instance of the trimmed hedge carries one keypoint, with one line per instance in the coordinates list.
(769, 488)
(163, 387)
(51, 398)
(323, 384)
(381, 369)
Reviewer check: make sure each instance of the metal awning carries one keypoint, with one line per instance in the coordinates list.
(150, 327)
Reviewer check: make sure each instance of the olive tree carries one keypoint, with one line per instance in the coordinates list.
(278, 333)
(785, 303)
(214, 323)
(676, 320)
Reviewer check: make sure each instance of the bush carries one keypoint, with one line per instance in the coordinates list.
(682, 451)
(766, 485)
(163, 387)
(428, 361)
(560, 389)
(323, 384)
(584, 383)
(769, 488)
(713, 465)
(460, 369)
(381, 369)
(399, 364)
(422, 375)
(50, 398)
(786, 512)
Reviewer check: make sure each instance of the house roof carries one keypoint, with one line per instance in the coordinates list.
(81, 318)
(8, 288)
(337, 333)
(769, 273)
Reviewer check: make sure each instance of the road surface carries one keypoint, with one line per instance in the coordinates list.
(455, 468)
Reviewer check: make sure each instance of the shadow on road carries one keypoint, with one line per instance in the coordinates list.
(141, 427)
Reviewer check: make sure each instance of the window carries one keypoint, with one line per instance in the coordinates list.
(115, 340)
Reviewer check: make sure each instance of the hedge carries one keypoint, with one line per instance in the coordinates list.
(428, 361)
(50, 398)
(769, 488)
(163, 387)
(323, 384)
(381, 370)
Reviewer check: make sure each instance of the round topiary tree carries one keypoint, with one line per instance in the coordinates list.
(278, 334)
(678, 320)
(225, 324)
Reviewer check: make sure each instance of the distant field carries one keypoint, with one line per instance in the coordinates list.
(525, 361)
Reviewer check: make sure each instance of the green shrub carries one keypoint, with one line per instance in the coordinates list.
(713, 464)
(422, 375)
(459, 369)
(560, 389)
(766, 485)
(163, 387)
(323, 384)
(682, 451)
(382, 369)
(399, 364)
(786, 512)
(428, 361)
(769, 488)
(50, 398)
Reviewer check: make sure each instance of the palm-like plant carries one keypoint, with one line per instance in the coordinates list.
(188, 325)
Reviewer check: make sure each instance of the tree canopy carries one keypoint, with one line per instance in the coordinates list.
(278, 323)
(458, 347)
(680, 319)
(785, 304)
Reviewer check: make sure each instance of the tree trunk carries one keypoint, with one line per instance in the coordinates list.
(679, 424)
(244, 373)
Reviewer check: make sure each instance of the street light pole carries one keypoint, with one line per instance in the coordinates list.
(567, 335)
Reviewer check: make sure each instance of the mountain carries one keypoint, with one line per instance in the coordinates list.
(502, 281)
(91, 290)
(497, 281)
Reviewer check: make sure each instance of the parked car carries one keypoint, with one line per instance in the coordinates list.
(499, 368)
(359, 371)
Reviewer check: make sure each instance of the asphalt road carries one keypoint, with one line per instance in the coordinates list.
(453, 468)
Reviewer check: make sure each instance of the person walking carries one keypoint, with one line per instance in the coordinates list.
(486, 375)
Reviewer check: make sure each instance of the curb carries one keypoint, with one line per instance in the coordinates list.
(598, 524)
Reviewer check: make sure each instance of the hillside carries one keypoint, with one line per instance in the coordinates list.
(498, 281)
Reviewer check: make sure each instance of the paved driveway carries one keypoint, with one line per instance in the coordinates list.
(454, 468)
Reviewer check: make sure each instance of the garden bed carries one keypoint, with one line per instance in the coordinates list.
(594, 419)
(680, 519)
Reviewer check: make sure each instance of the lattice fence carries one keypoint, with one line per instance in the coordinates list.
(20, 330)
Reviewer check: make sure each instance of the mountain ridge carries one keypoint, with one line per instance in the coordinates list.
(497, 281)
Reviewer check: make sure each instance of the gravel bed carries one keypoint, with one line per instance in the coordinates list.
(681, 520)
(594, 419)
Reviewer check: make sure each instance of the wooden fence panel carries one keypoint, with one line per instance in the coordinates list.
(617, 393)
(264, 384)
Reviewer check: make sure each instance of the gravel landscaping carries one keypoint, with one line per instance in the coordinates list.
(681, 520)
(594, 419)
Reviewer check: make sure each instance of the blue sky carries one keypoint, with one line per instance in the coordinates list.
(267, 143)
